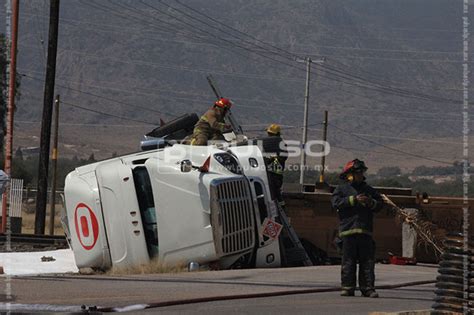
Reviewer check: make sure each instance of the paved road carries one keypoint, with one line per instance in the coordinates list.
(68, 292)
(403, 299)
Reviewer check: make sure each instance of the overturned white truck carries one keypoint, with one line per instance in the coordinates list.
(177, 203)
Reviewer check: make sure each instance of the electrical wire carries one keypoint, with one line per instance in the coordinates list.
(79, 124)
(278, 51)
(404, 93)
(331, 57)
(370, 152)
(100, 96)
(107, 114)
(390, 148)
(341, 112)
(295, 57)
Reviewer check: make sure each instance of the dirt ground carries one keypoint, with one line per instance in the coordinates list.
(28, 219)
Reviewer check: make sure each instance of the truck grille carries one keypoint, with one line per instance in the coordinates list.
(232, 215)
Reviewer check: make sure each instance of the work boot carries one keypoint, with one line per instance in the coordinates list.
(347, 292)
(370, 294)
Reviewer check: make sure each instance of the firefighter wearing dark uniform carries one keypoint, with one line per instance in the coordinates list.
(275, 162)
(211, 125)
(356, 202)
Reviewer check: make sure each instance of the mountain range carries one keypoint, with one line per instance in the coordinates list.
(388, 72)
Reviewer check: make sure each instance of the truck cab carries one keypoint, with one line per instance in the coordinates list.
(178, 204)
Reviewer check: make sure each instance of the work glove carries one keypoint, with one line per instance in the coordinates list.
(366, 201)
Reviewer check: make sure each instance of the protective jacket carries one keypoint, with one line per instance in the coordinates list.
(354, 216)
(209, 127)
(275, 160)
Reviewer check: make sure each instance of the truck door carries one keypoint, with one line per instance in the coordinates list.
(85, 221)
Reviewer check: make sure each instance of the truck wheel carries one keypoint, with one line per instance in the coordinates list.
(185, 122)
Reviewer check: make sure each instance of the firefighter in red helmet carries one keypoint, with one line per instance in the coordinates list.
(356, 202)
(211, 125)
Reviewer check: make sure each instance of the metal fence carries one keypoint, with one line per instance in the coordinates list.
(15, 199)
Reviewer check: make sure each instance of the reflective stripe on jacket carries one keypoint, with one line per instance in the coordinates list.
(355, 217)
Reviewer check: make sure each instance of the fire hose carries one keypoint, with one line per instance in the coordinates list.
(246, 296)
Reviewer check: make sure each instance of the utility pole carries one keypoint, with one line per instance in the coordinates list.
(11, 102)
(42, 194)
(54, 161)
(308, 62)
(305, 122)
(323, 157)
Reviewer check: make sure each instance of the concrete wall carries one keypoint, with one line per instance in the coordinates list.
(313, 219)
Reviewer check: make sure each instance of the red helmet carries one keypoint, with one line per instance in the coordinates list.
(223, 103)
(353, 166)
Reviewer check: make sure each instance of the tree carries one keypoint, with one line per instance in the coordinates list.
(389, 171)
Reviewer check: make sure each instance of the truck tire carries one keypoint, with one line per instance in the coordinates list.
(185, 122)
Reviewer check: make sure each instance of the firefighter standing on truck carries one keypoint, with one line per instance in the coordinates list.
(211, 125)
(356, 202)
(275, 162)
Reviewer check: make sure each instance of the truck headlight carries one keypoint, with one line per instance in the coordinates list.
(229, 162)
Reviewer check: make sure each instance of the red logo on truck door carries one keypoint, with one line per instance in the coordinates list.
(87, 227)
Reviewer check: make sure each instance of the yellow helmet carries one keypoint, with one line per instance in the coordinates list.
(274, 129)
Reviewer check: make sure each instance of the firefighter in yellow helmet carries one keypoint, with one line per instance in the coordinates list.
(275, 162)
(211, 125)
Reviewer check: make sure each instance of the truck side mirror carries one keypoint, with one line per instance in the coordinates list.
(186, 166)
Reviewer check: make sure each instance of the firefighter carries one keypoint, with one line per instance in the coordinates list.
(275, 162)
(356, 202)
(211, 125)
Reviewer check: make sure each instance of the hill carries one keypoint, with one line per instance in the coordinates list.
(392, 72)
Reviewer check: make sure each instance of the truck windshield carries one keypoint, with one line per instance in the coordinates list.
(147, 208)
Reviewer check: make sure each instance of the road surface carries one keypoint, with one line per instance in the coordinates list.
(67, 292)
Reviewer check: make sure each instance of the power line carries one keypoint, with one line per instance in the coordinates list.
(407, 139)
(292, 55)
(394, 89)
(195, 28)
(193, 33)
(347, 76)
(341, 112)
(101, 97)
(107, 114)
(390, 50)
(373, 152)
(377, 89)
(286, 127)
(389, 89)
(283, 50)
(182, 68)
(390, 148)
(332, 56)
(80, 124)
(380, 87)
(383, 79)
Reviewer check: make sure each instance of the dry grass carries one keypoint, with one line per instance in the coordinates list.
(154, 266)
(28, 221)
